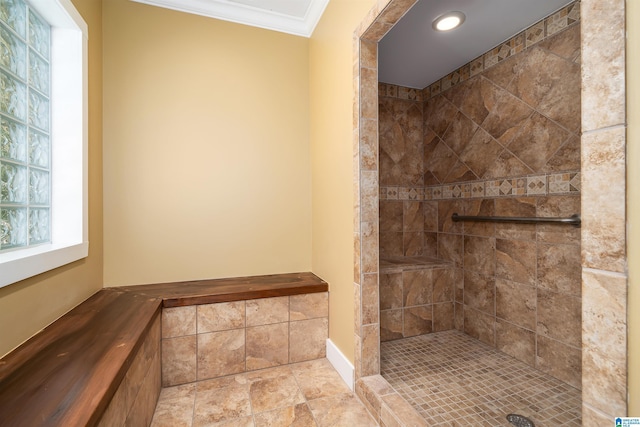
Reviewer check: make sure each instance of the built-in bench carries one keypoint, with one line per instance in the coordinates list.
(100, 364)
(416, 296)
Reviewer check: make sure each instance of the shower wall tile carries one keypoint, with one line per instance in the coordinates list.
(444, 281)
(417, 287)
(605, 383)
(370, 242)
(538, 140)
(439, 113)
(413, 216)
(517, 342)
(357, 307)
(368, 93)
(407, 296)
(391, 325)
(443, 316)
(603, 46)
(418, 320)
(370, 299)
(391, 293)
(559, 317)
(450, 248)
(551, 85)
(480, 254)
(479, 207)
(560, 206)
(391, 215)
(445, 210)
(559, 268)
(479, 325)
(508, 117)
(430, 214)
(605, 314)
(516, 303)
(479, 292)
(400, 142)
(369, 146)
(559, 360)
(593, 418)
(412, 243)
(391, 244)
(567, 158)
(458, 314)
(514, 261)
(430, 248)
(458, 285)
(603, 225)
(370, 364)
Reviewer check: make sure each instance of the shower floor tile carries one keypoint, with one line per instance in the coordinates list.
(452, 379)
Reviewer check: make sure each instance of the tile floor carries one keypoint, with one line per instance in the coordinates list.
(454, 380)
(302, 394)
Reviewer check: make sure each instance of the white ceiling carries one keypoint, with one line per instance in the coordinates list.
(412, 54)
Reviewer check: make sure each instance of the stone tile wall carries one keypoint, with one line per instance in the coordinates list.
(134, 402)
(604, 254)
(416, 301)
(214, 340)
(502, 140)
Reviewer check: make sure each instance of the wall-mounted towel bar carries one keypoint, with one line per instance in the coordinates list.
(572, 220)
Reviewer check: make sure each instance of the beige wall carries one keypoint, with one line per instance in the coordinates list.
(633, 202)
(206, 153)
(28, 306)
(331, 77)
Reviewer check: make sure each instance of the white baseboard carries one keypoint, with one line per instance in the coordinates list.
(340, 363)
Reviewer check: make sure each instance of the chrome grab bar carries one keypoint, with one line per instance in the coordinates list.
(574, 220)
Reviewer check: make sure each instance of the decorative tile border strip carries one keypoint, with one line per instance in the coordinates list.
(401, 92)
(530, 185)
(547, 27)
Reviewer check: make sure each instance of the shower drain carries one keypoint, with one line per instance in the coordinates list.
(520, 420)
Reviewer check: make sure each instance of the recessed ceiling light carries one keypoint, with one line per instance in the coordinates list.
(448, 21)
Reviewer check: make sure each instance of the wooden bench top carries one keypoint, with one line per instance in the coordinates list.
(67, 374)
(233, 289)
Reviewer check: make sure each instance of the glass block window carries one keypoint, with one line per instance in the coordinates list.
(25, 120)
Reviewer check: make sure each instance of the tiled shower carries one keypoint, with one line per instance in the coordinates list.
(498, 137)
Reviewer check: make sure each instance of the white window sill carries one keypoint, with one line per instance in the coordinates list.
(25, 263)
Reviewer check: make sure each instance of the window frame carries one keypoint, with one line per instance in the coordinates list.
(69, 149)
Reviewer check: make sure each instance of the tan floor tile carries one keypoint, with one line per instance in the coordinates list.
(238, 422)
(222, 404)
(216, 383)
(293, 416)
(273, 393)
(268, 373)
(318, 378)
(175, 407)
(341, 410)
(268, 397)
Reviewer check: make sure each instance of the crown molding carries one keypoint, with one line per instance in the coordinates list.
(248, 15)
